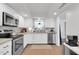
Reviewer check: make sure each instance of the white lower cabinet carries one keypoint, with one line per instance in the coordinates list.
(35, 38)
(39, 38)
(27, 39)
(6, 48)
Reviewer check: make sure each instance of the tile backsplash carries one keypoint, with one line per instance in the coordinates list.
(15, 29)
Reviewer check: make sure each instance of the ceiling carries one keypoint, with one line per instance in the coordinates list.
(45, 10)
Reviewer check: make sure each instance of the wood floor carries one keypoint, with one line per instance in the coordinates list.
(43, 50)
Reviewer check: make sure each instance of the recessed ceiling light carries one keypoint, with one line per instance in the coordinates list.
(25, 15)
(55, 13)
(39, 18)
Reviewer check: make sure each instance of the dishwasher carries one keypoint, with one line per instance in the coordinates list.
(50, 38)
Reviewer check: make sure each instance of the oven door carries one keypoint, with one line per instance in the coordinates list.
(17, 46)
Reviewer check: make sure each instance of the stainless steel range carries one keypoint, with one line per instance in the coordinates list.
(17, 44)
(17, 41)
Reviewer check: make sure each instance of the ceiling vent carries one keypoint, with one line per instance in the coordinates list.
(62, 5)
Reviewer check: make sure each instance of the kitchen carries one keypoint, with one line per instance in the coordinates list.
(14, 27)
(27, 27)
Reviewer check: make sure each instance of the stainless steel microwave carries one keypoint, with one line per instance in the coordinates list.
(9, 20)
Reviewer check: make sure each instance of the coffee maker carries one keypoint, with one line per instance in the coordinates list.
(72, 40)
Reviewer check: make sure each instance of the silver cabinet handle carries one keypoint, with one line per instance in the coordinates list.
(6, 46)
(6, 52)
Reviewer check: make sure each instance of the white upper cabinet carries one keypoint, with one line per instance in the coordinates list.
(9, 10)
(21, 22)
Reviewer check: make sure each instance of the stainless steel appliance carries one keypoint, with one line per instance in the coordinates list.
(50, 38)
(9, 20)
(17, 41)
(5, 33)
(17, 45)
(72, 40)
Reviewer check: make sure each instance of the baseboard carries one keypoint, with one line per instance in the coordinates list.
(42, 44)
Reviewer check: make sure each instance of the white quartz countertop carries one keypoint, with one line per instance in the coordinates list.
(74, 49)
(37, 33)
(3, 40)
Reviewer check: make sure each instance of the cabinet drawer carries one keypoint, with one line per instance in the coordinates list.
(5, 48)
(5, 45)
(7, 52)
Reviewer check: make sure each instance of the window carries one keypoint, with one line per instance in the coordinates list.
(39, 24)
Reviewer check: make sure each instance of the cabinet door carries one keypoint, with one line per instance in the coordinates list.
(66, 51)
(39, 38)
(30, 36)
(1, 18)
(6, 48)
(36, 38)
(44, 38)
(27, 39)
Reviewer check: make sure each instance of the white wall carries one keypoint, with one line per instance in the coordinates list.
(50, 22)
(28, 22)
(57, 32)
(72, 23)
(62, 18)
(61, 26)
(72, 19)
(61, 21)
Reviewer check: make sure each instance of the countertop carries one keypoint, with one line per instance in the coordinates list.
(36, 33)
(74, 49)
(3, 40)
